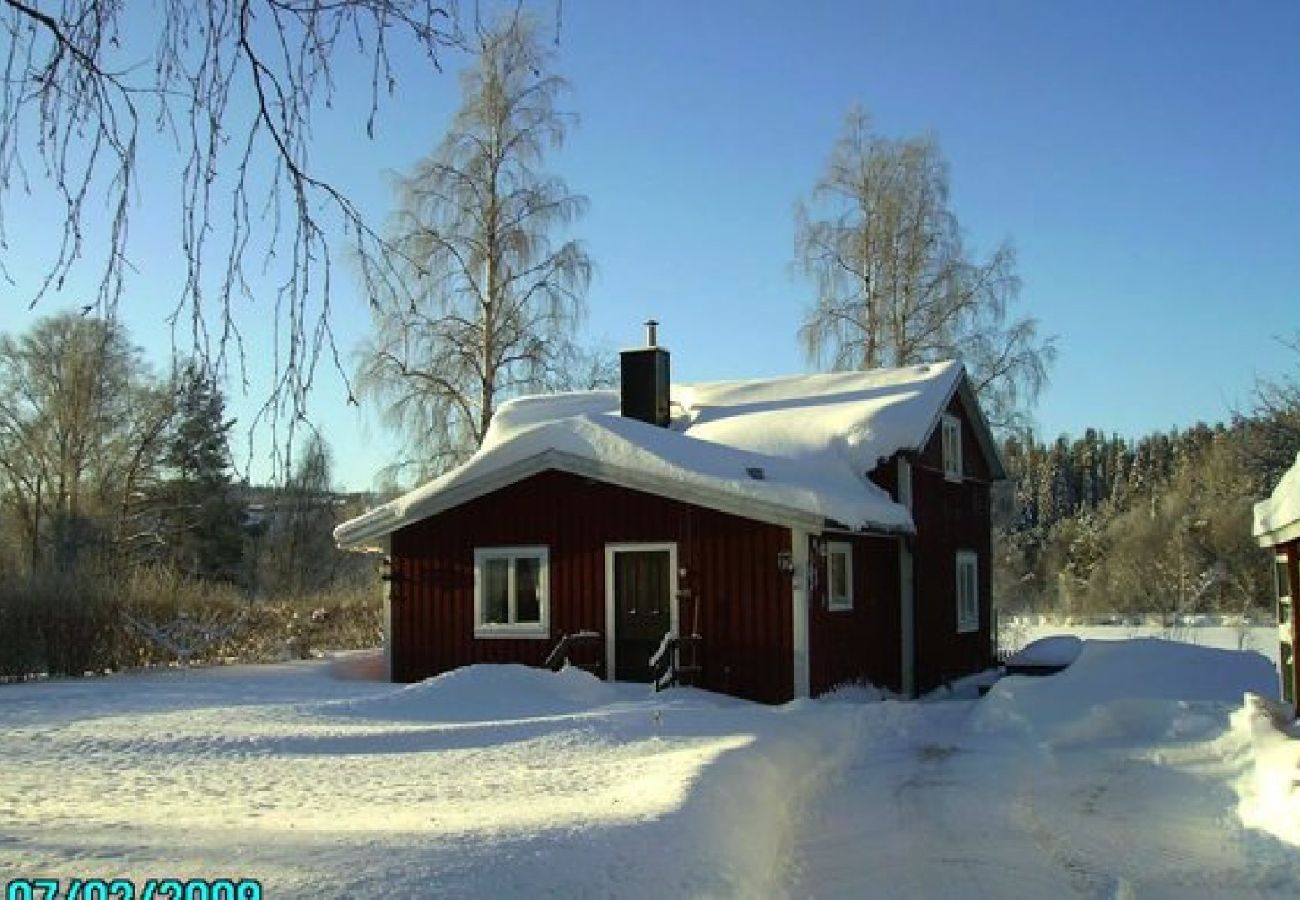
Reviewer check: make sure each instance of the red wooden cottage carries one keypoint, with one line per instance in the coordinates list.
(812, 531)
(1277, 526)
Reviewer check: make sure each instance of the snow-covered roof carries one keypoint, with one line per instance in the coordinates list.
(1277, 519)
(791, 450)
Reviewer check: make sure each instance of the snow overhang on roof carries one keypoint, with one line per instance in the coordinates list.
(1277, 519)
(790, 451)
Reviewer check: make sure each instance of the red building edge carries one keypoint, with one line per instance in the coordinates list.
(758, 594)
(1286, 583)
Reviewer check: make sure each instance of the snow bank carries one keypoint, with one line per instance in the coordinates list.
(1270, 788)
(486, 693)
(1124, 689)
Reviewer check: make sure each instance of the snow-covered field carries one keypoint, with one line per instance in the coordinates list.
(1128, 775)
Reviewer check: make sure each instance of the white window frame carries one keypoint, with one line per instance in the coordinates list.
(845, 603)
(968, 607)
(905, 483)
(950, 428)
(513, 629)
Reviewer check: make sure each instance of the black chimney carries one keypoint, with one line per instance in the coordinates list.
(645, 380)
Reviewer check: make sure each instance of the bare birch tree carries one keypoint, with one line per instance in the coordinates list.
(896, 286)
(490, 302)
(81, 431)
(1277, 413)
(232, 86)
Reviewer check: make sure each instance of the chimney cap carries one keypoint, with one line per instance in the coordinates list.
(651, 333)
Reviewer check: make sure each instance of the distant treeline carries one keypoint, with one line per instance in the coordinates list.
(1102, 524)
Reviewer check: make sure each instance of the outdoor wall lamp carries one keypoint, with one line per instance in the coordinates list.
(784, 562)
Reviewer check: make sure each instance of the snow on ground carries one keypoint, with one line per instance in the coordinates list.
(1121, 777)
(1270, 787)
(1114, 778)
(488, 781)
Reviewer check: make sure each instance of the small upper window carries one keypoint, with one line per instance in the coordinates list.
(905, 483)
(839, 577)
(510, 592)
(951, 428)
(968, 591)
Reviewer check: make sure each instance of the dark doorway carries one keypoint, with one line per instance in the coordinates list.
(642, 610)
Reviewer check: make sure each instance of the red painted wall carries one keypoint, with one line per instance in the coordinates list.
(737, 600)
(861, 644)
(949, 517)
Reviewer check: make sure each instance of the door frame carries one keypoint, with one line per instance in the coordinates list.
(611, 639)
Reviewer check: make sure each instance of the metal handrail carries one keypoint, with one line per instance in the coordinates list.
(559, 656)
(666, 667)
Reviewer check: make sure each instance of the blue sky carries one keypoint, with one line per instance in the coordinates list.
(1144, 159)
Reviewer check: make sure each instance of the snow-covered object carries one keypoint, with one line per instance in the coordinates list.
(1270, 788)
(1054, 652)
(1122, 689)
(792, 450)
(1277, 519)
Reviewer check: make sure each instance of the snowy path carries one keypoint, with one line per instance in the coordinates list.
(932, 807)
(906, 818)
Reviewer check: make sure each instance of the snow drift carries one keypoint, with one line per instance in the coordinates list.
(1270, 788)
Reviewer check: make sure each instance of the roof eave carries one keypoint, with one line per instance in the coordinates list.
(387, 519)
(1280, 535)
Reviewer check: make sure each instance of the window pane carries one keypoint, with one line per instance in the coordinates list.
(952, 447)
(496, 590)
(967, 592)
(839, 576)
(528, 607)
(972, 604)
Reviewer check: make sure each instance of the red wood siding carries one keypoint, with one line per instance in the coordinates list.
(862, 644)
(733, 594)
(949, 517)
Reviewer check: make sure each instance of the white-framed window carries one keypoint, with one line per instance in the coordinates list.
(968, 591)
(951, 438)
(905, 483)
(839, 576)
(512, 592)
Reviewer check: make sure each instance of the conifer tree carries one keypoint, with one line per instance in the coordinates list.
(202, 514)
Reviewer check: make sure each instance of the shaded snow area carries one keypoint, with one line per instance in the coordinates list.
(1130, 774)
